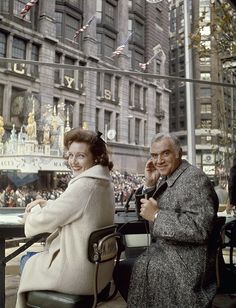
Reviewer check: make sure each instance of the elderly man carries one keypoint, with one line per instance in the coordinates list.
(179, 201)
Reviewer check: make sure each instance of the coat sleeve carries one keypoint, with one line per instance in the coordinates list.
(67, 208)
(191, 211)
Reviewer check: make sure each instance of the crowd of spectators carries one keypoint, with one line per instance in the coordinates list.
(124, 185)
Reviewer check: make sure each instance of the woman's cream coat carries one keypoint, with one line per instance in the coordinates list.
(87, 204)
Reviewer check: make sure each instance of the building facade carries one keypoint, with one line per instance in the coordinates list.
(214, 106)
(127, 109)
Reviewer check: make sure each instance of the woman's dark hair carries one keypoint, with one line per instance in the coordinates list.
(96, 144)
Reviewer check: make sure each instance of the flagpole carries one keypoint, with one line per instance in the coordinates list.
(191, 146)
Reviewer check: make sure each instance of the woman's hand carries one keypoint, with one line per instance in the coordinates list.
(148, 209)
(32, 204)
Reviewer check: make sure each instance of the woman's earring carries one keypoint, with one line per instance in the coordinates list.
(96, 161)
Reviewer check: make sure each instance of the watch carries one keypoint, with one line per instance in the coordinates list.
(155, 216)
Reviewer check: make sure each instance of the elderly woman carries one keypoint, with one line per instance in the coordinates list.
(87, 204)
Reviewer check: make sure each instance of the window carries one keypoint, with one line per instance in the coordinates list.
(97, 119)
(18, 52)
(206, 123)
(130, 4)
(3, 47)
(204, 9)
(58, 17)
(137, 96)
(68, 24)
(18, 6)
(106, 44)
(34, 69)
(107, 120)
(158, 128)
(99, 11)
(1, 98)
(69, 80)
(206, 139)
(138, 58)
(98, 90)
(181, 15)
(71, 26)
(117, 88)
(117, 137)
(173, 111)
(206, 108)
(137, 131)
(130, 94)
(110, 14)
(181, 65)
(145, 133)
(206, 44)
(173, 126)
(81, 79)
(173, 20)
(181, 124)
(205, 61)
(172, 67)
(107, 82)
(145, 91)
(205, 92)
(4, 6)
(158, 102)
(109, 46)
(57, 70)
(129, 130)
(81, 117)
(205, 76)
(18, 48)
(139, 32)
(130, 26)
(158, 67)
(99, 44)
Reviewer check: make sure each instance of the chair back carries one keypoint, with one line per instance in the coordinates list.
(226, 271)
(102, 245)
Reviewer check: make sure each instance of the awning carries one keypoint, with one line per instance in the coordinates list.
(20, 179)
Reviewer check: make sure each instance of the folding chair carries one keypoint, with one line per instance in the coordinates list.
(103, 246)
(226, 272)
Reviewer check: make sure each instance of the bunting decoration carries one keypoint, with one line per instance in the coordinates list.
(27, 7)
(119, 50)
(84, 27)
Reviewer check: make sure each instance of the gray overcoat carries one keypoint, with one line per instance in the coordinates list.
(178, 270)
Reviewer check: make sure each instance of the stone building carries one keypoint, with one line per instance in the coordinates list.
(214, 106)
(127, 109)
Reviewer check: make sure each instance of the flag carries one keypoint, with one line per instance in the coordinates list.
(120, 48)
(144, 65)
(84, 27)
(27, 7)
